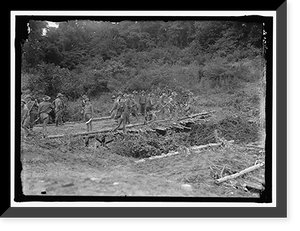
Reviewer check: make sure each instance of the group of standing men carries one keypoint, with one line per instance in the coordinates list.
(33, 111)
(157, 104)
(154, 105)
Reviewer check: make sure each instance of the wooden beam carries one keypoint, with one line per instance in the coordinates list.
(110, 129)
(91, 132)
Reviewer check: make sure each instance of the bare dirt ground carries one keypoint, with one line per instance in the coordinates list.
(99, 172)
(58, 167)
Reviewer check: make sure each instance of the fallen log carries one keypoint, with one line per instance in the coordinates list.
(194, 149)
(210, 145)
(233, 176)
(163, 155)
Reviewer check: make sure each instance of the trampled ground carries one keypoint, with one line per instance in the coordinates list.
(88, 171)
(66, 167)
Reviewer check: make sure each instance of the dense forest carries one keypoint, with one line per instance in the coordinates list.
(95, 57)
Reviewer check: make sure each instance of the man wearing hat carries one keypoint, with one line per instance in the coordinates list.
(190, 102)
(123, 112)
(83, 101)
(33, 110)
(114, 108)
(59, 106)
(162, 105)
(45, 107)
(88, 114)
(173, 105)
(142, 102)
(25, 118)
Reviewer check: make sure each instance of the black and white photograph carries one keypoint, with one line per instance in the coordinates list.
(145, 107)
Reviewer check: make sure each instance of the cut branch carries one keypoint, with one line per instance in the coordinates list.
(233, 176)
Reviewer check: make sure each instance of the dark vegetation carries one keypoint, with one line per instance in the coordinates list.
(96, 57)
(230, 128)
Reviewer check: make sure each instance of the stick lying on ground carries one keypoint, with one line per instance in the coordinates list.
(233, 176)
(195, 149)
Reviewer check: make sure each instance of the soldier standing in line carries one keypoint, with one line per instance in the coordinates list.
(173, 105)
(142, 102)
(163, 105)
(44, 109)
(25, 118)
(88, 114)
(59, 106)
(190, 102)
(133, 106)
(123, 113)
(150, 104)
(113, 111)
(33, 110)
(83, 101)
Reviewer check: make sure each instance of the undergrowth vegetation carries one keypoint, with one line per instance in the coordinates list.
(230, 128)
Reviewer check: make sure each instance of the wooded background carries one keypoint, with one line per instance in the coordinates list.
(97, 57)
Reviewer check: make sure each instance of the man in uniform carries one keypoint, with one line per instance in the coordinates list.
(133, 106)
(142, 102)
(32, 110)
(123, 113)
(88, 114)
(190, 102)
(113, 111)
(83, 100)
(150, 105)
(44, 109)
(25, 118)
(173, 105)
(163, 104)
(59, 106)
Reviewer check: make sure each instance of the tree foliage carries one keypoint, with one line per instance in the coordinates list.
(96, 56)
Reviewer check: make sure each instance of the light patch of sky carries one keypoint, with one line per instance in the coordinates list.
(50, 24)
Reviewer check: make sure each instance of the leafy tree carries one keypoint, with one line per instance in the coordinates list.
(83, 56)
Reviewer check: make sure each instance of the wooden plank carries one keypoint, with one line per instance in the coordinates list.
(65, 124)
(110, 129)
(91, 132)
